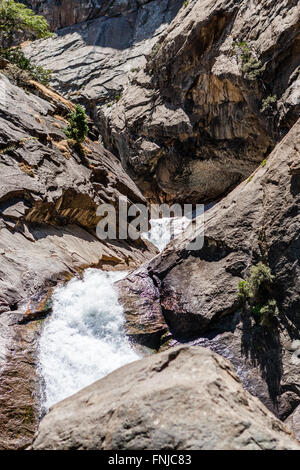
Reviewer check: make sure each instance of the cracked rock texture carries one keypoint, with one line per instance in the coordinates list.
(48, 199)
(192, 296)
(187, 398)
(173, 96)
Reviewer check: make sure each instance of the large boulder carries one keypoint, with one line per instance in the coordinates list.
(192, 296)
(49, 194)
(187, 398)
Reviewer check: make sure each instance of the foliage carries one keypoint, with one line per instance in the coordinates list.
(268, 104)
(78, 125)
(267, 313)
(251, 66)
(256, 291)
(263, 163)
(41, 75)
(35, 72)
(17, 22)
(20, 77)
(155, 49)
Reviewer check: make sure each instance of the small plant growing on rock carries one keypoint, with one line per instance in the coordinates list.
(267, 313)
(252, 67)
(155, 49)
(268, 104)
(256, 291)
(77, 129)
(31, 72)
(263, 163)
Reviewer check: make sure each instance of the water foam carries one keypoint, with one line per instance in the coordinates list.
(84, 339)
(164, 230)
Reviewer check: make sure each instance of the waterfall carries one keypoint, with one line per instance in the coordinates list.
(84, 339)
(165, 229)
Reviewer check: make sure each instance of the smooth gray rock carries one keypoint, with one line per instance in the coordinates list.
(91, 60)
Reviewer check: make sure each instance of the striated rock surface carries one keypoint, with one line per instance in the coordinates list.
(69, 12)
(181, 104)
(192, 296)
(48, 200)
(91, 60)
(187, 398)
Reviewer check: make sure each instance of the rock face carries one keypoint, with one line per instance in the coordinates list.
(187, 398)
(293, 422)
(69, 12)
(91, 60)
(218, 88)
(48, 199)
(192, 296)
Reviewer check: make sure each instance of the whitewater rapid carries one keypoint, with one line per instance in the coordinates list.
(164, 230)
(83, 340)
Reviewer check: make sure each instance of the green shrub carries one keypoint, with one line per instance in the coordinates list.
(78, 125)
(244, 291)
(41, 75)
(267, 313)
(268, 104)
(256, 291)
(35, 72)
(17, 23)
(263, 163)
(20, 77)
(252, 67)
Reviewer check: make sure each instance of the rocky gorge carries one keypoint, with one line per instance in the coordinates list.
(188, 102)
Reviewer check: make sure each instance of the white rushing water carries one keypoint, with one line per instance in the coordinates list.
(164, 230)
(83, 340)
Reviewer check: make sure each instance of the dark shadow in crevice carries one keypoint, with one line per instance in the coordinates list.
(261, 345)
